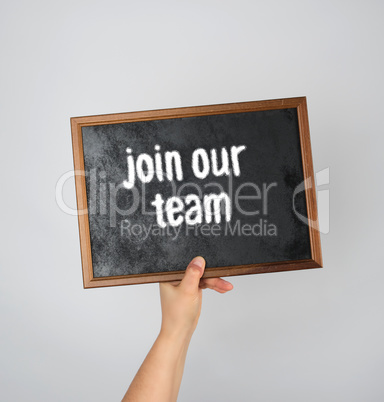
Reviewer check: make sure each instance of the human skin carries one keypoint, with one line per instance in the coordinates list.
(159, 377)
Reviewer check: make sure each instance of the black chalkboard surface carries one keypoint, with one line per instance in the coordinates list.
(233, 183)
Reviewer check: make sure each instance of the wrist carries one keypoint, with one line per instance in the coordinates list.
(176, 335)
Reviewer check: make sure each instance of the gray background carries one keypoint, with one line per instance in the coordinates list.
(297, 336)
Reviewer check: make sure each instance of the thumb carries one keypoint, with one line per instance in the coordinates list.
(193, 273)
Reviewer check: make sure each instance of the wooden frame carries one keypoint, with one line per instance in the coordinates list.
(310, 192)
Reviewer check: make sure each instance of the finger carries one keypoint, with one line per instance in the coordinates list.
(218, 284)
(193, 273)
(218, 290)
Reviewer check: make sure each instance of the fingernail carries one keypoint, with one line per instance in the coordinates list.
(199, 261)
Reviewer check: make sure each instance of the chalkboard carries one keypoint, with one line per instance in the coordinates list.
(233, 183)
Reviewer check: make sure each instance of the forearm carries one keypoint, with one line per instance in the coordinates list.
(159, 377)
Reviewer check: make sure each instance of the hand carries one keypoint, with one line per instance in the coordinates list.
(181, 301)
(159, 377)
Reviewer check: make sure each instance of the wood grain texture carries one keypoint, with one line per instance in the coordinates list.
(310, 192)
(310, 185)
(81, 197)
